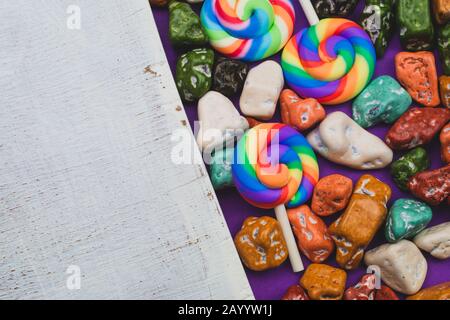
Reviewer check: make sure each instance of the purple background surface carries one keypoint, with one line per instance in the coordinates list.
(273, 283)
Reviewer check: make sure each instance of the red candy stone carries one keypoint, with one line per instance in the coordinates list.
(416, 127)
(444, 137)
(363, 290)
(295, 292)
(385, 293)
(432, 186)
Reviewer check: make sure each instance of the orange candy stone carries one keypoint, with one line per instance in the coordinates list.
(301, 114)
(323, 282)
(311, 233)
(416, 71)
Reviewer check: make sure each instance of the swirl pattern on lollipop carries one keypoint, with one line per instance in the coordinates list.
(332, 61)
(248, 29)
(274, 165)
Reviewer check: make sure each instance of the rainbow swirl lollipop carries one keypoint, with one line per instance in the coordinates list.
(331, 61)
(249, 30)
(274, 165)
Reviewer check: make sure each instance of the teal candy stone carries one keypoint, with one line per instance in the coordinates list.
(406, 218)
(383, 100)
(220, 168)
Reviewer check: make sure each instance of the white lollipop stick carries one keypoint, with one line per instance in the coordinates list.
(309, 11)
(294, 254)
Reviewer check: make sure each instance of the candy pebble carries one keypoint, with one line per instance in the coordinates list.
(323, 282)
(332, 61)
(334, 8)
(378, 19)
(444, 89)
(295, 292)
(355, 229)
(248, 30)
(416, 71)
(438, 292)
(383, 100)
(443, 44)
(415, 23)
(385, 293)
(301, 114)
(416, 127)
(433, 186)
(363, 290)
(261, 91)
(331, 194)
(193, 74)
(406, 218)
(219, 121)
(441, 10)
(444, 138)
(229, 76)
(260, 244)
(340, 139)
(220, 168)
(405, 167)
(435, 240)
(311, 233)
(402, 265)
(185, 28)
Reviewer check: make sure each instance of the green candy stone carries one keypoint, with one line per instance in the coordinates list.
(185, 28)
(383, 100)
(220, 168)
(378, 20)
(413, 162)
(444, 47)
(407, 218)
(193, 75)
(415, 23)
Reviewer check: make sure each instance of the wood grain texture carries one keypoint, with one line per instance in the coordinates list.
(86, 118)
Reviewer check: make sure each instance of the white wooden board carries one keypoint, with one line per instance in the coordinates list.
(86, 180)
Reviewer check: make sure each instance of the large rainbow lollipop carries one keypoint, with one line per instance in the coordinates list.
(332, 61)
(274, 166)
(248, 29)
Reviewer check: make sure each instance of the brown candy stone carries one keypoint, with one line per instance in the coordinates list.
(444, 88)
(431, 186)
(260, 243)
(366, 212)
(301, 114)
(416, 71)
(363, 290)
(324, 282)
(385, 293)
(311, 233)
(416, 127)
(331, 194)
(441, 10)
(295, 292)
(437, 292)
(444, 137)
(159, 3)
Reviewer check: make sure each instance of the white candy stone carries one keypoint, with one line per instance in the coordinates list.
(435, 240)
(261, 91)
(402, 265)
(341, 140)
(219, 121)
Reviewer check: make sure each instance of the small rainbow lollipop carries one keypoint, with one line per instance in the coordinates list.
(332, 61)
(275, 166)
(248, 29)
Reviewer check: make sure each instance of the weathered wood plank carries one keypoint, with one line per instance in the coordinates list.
(86, 118)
